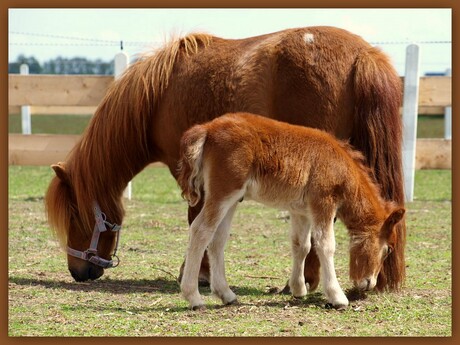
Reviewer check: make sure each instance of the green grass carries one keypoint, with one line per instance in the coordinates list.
(429, 126)
(142, 298)
(51, 124)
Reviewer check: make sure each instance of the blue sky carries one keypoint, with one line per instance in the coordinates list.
(95, 33)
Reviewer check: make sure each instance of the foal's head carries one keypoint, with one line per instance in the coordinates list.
(369, 249)
(73, 222)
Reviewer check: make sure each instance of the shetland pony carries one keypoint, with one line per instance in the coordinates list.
(302, 170)
(320, 77)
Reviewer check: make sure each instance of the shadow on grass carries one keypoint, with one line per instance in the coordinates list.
(130, 286)
(105, 285)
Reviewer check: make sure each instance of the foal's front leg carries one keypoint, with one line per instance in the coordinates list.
(325, 239)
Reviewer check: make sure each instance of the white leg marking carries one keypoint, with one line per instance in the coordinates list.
(324, 236)
(301, 244)
(219, 285)
(202, 231)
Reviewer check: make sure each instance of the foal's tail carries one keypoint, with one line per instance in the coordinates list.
(190, 173)
(377, 133)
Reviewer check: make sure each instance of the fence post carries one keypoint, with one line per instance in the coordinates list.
(410, 114)
(121, 64)
(26, 121)
(448, 115)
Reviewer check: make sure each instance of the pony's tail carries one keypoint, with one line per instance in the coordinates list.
(377, 132)
(190, 173)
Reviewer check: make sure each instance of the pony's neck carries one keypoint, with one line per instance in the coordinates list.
(113, 149)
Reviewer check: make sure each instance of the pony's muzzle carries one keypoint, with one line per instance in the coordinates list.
(86, 271)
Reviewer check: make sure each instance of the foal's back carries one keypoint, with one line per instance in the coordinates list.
(276, 163)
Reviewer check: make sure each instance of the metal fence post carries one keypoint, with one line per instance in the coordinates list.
(410, 114)
(26, 121)
(121, 64)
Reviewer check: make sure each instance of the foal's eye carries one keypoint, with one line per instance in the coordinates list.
(389, 250)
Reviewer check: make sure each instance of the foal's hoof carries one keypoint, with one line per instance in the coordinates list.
(198, 307)
(233, 302)
(339, 307)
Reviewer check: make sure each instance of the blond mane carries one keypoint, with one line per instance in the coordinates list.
(116, 144)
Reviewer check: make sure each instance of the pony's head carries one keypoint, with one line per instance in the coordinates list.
(369, 249)
(73, 221)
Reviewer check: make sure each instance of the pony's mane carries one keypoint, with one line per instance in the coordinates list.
(116, 144)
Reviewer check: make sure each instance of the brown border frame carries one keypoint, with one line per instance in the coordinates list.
(6, 4)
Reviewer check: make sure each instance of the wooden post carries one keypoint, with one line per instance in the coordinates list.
(410, 114)
(25, 109)
(448, 115)
(121, 64)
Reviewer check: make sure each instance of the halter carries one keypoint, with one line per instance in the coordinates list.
(91, 253)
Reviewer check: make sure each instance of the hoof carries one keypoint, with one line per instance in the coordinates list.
(233, 302)
(198, 307)
(286, 290)
(339, 307)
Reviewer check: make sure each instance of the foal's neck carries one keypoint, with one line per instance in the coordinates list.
(362, 208)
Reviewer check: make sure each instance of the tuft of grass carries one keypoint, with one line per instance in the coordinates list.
(142, 298)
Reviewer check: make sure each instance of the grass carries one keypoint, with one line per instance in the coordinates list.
(429, 126)
(141, 296)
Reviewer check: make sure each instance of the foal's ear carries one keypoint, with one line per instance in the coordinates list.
(61, 173)
(394, 218)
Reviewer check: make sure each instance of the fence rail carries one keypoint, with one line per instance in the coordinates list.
(80, 94)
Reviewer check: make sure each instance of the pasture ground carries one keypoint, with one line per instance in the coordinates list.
(429, 126)
(141, 296)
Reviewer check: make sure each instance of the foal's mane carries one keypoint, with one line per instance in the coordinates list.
(367, 185)
(116, 144)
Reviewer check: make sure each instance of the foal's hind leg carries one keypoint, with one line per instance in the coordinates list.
(300, 240)
(200, 235)
(202, 232)
(219, 285)
(204, 275)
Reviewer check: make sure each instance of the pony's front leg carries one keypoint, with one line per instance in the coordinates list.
(301, 244)
(201, 233)
(325, 239)
(219, 285)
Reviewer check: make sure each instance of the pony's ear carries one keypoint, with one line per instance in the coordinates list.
(61, 173)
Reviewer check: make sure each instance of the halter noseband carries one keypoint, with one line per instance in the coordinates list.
(91, 253)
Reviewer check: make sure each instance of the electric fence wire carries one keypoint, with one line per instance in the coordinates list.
(103, 42)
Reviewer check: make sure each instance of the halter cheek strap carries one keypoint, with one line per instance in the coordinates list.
(90, 254)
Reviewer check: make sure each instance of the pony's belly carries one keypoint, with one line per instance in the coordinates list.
(277, 196)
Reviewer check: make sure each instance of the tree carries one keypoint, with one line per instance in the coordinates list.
(60, 65)
(34, 65)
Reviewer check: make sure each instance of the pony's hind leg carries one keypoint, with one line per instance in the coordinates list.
(219, 285)
(325, 240)
(301, 243)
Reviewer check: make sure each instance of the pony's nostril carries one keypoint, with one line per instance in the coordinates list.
(78, 276)
(95, 272)
(368, 284)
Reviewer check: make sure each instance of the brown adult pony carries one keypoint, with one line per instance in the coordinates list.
(303, 170)
(320, 77)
